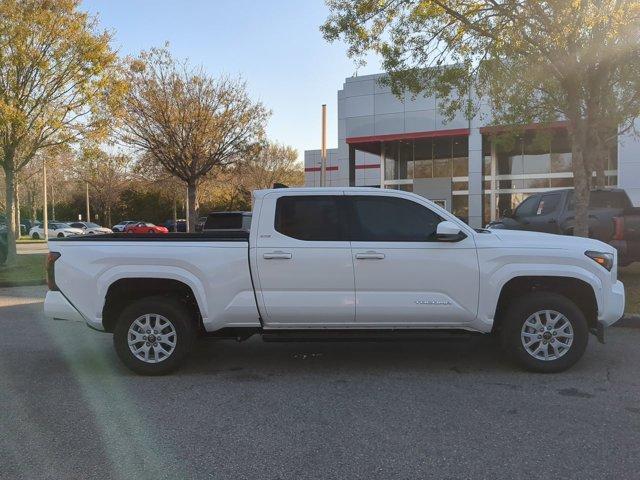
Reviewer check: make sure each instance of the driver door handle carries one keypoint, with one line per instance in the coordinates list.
(370, 256)
(277, 255)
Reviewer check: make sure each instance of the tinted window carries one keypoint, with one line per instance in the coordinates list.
(528, 207)
(548, 204)
(225, 221)
(309, 218)
(77, 225)
(601, 199)
(389, 219)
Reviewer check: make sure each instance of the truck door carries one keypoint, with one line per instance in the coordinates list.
(303, 259)
(404, 275)
(545, 217)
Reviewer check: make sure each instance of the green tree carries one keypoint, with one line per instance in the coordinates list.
(57, 82)
(187, 121)
(533, 60)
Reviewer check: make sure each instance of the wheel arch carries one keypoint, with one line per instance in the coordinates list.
(579, 291)
(122, 291)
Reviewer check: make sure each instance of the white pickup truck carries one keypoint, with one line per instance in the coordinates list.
(338, 263)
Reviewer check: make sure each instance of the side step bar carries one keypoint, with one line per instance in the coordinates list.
(352, 335)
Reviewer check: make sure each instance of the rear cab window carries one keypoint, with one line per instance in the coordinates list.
(310, 217)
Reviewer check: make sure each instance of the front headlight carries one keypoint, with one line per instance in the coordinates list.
(601, 258)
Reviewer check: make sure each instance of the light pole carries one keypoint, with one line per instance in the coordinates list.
(323, 151)
(45, 213)
(87, 198)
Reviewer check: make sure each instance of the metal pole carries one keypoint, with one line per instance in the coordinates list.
(88, 219)
(323, 152)
(53, 203)
(492, 195)
(186, 210)
(45, 213)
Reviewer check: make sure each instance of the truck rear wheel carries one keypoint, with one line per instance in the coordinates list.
(545, 332)
(154, 335)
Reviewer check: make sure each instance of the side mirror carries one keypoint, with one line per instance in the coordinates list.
(447, 231)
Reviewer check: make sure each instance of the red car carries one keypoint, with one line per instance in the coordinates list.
(144, 227)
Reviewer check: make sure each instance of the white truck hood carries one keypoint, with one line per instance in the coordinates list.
(525, 239)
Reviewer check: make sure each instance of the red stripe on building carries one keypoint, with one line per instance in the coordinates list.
(317, 169)
(409, 136)
(367, 165)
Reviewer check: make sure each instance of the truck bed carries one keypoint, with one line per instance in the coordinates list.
(217, 236)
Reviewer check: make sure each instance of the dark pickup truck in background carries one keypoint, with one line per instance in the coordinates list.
(612, 218)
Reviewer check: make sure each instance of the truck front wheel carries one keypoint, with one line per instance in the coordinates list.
(545, 332)
(154, 335)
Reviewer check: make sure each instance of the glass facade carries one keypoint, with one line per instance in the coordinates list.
(514, 168)
(446, 157)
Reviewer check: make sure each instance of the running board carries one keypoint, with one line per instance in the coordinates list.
(352, 335)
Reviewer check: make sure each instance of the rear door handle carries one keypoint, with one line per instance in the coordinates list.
(277, 256)
(370, 256)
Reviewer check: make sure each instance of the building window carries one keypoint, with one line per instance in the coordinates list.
(533, 162)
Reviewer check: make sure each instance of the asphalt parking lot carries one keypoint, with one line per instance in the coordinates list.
(446, 410)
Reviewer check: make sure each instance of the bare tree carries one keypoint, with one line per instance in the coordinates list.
(187, 121)
(108, 174)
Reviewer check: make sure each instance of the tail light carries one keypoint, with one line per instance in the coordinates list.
(618, 228)
(51, 274)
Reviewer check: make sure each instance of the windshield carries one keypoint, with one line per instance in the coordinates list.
(92, 225)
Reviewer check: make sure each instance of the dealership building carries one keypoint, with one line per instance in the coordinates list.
(407, 144)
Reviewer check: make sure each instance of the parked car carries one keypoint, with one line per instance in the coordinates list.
(330, 264)
(626, 236)
(554, 212)
(119, 227)
(28, 224)
(200, 224)
(56, 229)
(90, 228)
(182, 225)
(145, 227)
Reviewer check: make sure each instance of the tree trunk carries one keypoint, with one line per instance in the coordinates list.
(192, 195)
(582, 187)
(10, 215)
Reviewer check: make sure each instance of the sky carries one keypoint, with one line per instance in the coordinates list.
(275, 45)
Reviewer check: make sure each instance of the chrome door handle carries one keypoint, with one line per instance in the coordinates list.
(370, 256)
(277, 256)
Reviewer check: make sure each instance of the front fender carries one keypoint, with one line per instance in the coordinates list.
(493, 283)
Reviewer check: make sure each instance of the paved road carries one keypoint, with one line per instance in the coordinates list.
(252, 410)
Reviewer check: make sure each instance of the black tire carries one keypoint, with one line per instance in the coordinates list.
(176, 314)
(35, 236)
(61, 235)
(524, 307)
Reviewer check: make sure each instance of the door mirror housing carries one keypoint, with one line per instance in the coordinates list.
(447, 231)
